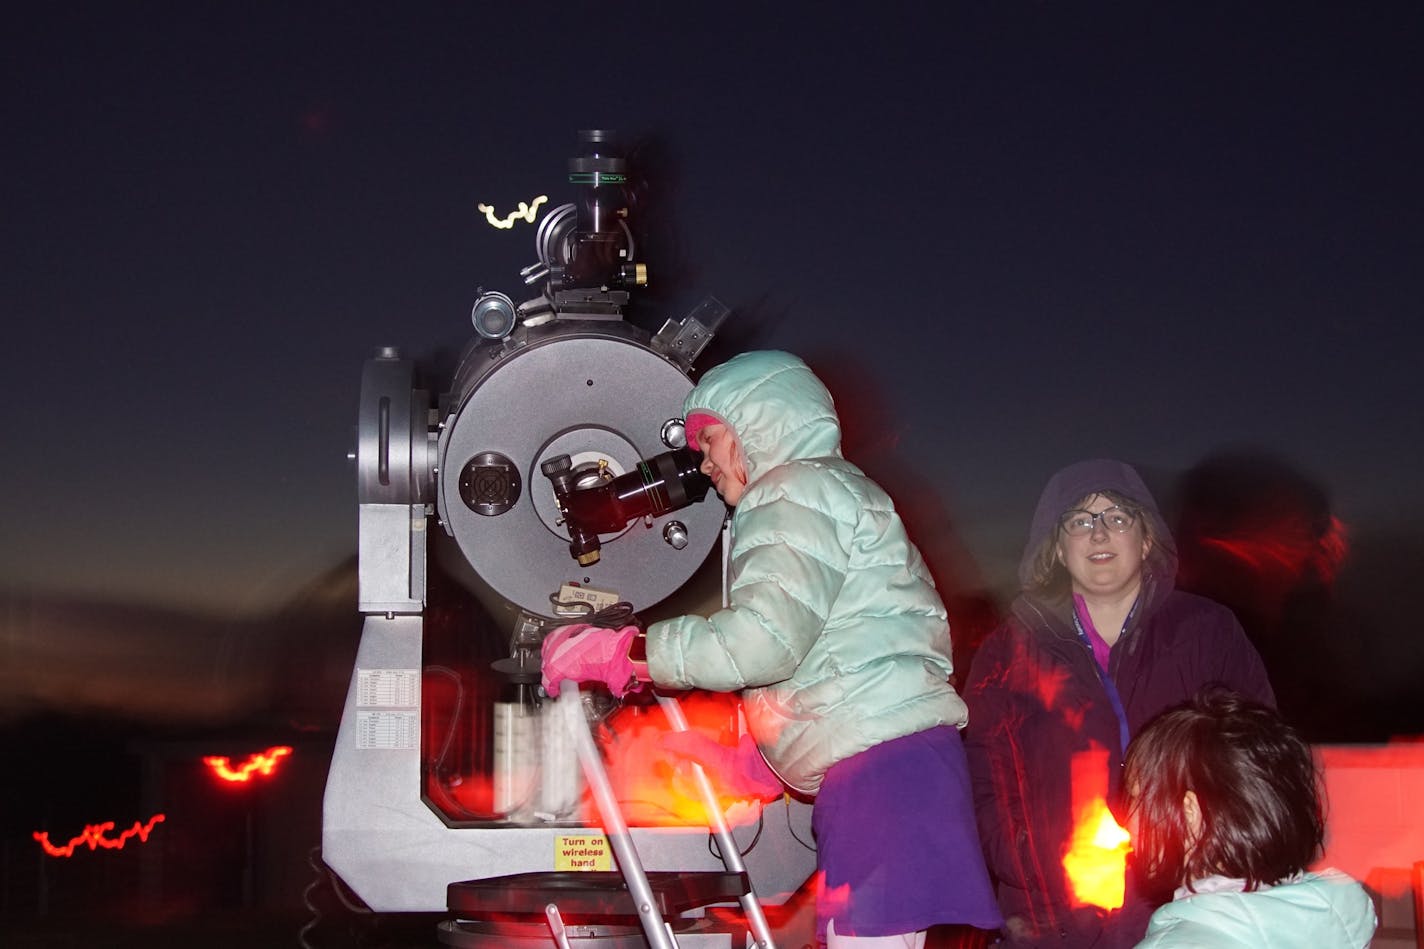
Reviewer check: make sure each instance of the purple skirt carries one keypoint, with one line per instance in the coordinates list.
(896, 843)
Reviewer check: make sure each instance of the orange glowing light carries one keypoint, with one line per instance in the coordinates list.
(1096, 861)
(656, 788)
(1109, 836)
(262, 763)
(95, 836)
(653, 786)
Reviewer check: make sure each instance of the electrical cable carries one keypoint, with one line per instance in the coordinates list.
(308, 902)
(444, 796)
(321, 872)
(786, 800)
(716, 851)
(613, 616)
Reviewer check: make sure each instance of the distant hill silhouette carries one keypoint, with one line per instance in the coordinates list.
(160, 666)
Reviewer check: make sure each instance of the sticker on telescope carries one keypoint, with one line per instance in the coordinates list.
(572, 596)
(582, 852)
(388, 688)
(391, 731)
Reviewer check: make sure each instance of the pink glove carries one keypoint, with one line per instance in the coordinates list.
(739, 772)
(592, 654)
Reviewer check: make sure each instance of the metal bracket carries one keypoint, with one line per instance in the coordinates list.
(683, 340)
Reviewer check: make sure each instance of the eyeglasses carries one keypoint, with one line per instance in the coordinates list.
(1115, 519)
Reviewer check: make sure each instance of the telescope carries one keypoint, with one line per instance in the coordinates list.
(553, 465)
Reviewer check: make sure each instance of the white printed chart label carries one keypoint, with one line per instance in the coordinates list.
(388, 688)
(397, 731)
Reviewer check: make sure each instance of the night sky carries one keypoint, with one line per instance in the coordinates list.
(1021, 234)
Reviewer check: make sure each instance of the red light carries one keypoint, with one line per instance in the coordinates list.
(96, 836)
(1096, 862)
(262, 763)
(1289, 548)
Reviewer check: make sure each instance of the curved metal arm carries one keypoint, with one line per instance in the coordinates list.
(731, 856)
(654, 926)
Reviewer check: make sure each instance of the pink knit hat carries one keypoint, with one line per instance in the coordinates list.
(694, 425)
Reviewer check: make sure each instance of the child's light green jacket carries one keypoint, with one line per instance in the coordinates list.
(835, 633)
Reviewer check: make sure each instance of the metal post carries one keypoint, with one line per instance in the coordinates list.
(731, 857)
(556, 925)
(654, 927)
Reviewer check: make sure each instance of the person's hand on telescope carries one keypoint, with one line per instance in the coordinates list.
(587, 653)
(737, 772)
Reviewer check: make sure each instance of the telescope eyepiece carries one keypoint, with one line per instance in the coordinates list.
(656, 486)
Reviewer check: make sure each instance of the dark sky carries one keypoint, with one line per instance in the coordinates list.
(1035, 233)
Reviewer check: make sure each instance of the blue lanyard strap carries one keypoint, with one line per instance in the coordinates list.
(1116, 700)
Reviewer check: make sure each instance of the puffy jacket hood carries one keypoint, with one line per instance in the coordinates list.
(1078, 481)
(774, 404)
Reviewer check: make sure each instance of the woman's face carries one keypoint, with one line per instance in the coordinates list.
(722, 461)
(1104, 563)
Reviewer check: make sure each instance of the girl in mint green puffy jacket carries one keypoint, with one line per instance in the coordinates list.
(839, 644)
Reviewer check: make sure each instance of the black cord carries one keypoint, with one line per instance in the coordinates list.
(308, 897)
(617, 616)
(792, 830)
(323, 874)
(570, 609)
(614, 616)
(715, 851)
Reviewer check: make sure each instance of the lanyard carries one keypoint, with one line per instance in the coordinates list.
(1105, 679)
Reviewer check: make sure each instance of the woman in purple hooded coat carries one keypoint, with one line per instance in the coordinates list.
(1098, 643)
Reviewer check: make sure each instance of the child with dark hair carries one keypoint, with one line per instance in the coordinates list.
(1224, 807)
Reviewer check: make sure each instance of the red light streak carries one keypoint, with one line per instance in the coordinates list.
(262, 763)
(95, 837)
(1096, 862)
(1289, 547)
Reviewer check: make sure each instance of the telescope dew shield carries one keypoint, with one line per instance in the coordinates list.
(600, 248)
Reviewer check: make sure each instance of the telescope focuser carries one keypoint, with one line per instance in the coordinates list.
(591, 503)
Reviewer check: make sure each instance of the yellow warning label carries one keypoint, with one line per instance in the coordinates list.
(582, 852)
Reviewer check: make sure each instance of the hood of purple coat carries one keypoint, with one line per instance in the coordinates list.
(1078, 481)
